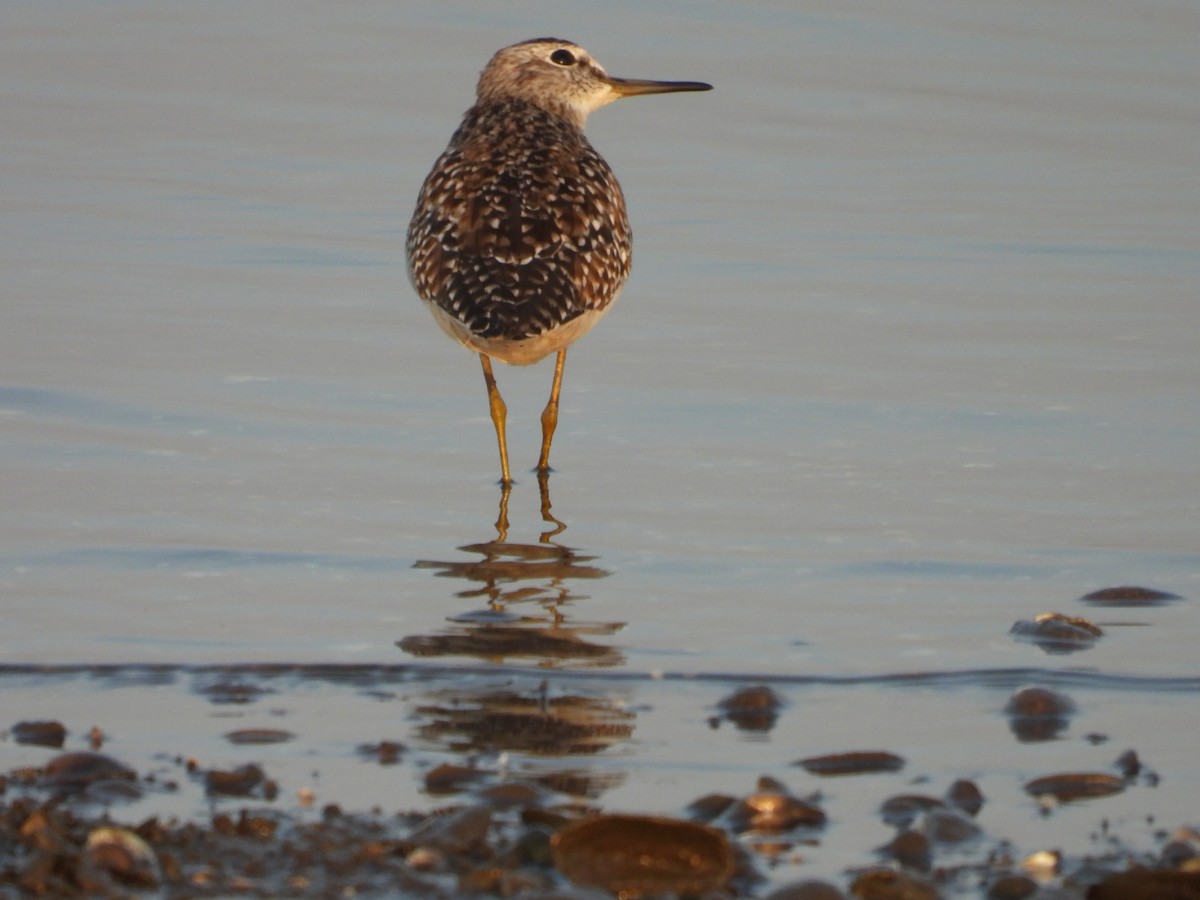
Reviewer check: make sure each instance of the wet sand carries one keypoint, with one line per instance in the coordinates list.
(246, 784)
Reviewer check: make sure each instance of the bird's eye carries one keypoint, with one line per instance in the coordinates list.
(562, 57)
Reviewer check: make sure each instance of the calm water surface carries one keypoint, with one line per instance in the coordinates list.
(908, 355)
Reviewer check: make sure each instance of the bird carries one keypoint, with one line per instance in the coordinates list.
(520, 241)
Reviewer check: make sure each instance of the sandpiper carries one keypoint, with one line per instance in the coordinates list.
(520, 241)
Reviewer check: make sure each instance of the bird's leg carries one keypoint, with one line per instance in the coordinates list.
(559, 525)
(499, 415)
(550, 413)
(502, 518)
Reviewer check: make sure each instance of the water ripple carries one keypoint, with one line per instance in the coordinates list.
(375, 674)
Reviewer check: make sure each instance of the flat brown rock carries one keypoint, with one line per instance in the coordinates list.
(859, 762)
(643, 854)
(1076, 786)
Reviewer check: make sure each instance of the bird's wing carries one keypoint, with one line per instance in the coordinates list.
(514, 250)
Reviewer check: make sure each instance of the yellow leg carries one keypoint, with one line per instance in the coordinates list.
(502, 518)
(559, 525)
(550, 413)
(499, 416)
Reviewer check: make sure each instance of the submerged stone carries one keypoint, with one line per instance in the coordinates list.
(632, 855)
(1129, 595)
(888, 884)
(1071, 786)
(1056, 633)
(752, 708)
(859, 762)
(79, 769)
(40, 734)
(965, 795)
(1141, 884)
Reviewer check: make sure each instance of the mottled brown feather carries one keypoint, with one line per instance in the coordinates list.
(521, 225)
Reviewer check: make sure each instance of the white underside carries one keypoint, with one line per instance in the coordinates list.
(523, 352)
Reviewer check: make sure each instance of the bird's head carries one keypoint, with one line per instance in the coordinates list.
(562, 77)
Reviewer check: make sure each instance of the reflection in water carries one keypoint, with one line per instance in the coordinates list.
(534, 577)
(1039, 714)
(753, 709)
(531, 723)
(535, 723)
(1057, 634)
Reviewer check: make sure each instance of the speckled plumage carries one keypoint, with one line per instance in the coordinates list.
(520, 228)
(520, 241)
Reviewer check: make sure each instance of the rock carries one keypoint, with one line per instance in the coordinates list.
(77, 770)
(239, 782)
(858, 762)
(1129, 595)
(773, 809)
(40, 733)
(1055, 633)
(887, 884)
(1038, 713)
(631, 855)
(752, 708)
(1142, 884)
(912, 850)
(807, 890)
(1070, 786)
(966, 796)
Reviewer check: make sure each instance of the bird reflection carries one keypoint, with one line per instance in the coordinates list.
(536, 724)
(528, 592)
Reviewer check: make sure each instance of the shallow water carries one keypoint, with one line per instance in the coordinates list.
(908, 355)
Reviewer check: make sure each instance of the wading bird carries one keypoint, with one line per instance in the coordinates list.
(520, 241)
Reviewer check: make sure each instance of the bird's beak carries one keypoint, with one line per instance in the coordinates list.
(631, 87)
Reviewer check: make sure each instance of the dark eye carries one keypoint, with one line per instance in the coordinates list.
(562, 57)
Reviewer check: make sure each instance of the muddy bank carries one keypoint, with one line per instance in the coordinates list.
(519, 786)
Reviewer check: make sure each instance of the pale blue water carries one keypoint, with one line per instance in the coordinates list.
(908, 353)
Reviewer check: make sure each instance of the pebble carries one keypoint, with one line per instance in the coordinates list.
(912, 850)
(259, 736)
(1148, 885)
(752, 708)
(451, 779)
(121, 856)
(902, 810)
(1038, 714)
(1056, 633)
(888, 884)
(966, 796)
(239, 782)
(773, 809)
(40, 734)
(76, 770)
(1012, 887)
(631, 855)
(1070, 786)
(807, 890)
(945, 826)
(859, 762)
(1129, 595)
